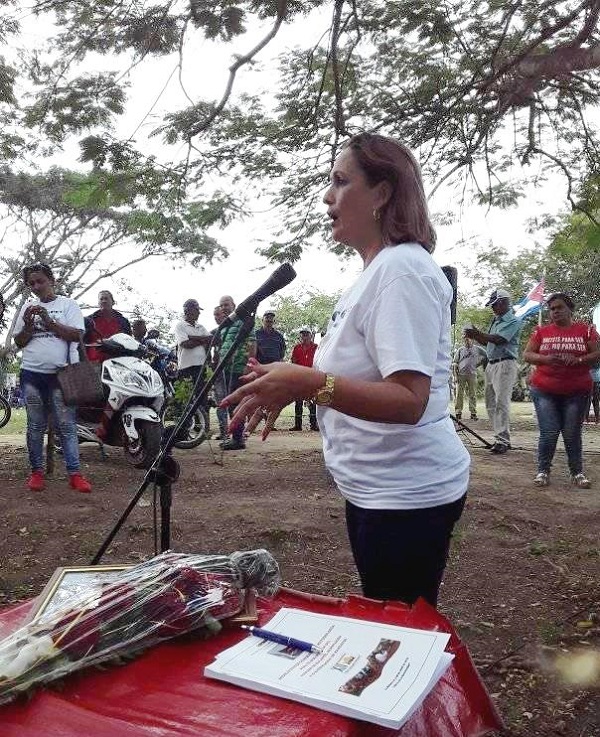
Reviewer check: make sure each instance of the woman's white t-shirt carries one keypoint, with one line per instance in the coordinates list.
(396, 317)
(46, 352)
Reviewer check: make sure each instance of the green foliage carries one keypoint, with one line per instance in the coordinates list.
(183, 391)
(113, 200)
(87, 101)
(571, 263)
(579, 237)
(311, 308)
(468, 314)
(92, 226)
(220, 20)
(449, 81)
(502, 195)
(7, 79)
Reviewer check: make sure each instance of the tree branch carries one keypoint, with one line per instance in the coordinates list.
(234, 68)
(108, 274)
(339, 124)
(588, 26)
(546, 34)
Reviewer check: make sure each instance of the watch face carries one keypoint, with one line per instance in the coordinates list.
(324, 396)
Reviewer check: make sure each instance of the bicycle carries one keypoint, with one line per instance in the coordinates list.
(5, 408)
(5, 411)
(198, 427)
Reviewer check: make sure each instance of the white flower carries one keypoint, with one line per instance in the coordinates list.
(18, 658)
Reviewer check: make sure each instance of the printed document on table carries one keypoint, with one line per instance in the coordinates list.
(367, 670)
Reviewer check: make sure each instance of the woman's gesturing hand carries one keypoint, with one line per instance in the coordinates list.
(271, 386)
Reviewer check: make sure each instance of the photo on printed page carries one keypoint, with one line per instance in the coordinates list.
(373, 669)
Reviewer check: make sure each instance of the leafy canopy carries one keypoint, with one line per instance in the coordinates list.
(92, 226)
(479, 88)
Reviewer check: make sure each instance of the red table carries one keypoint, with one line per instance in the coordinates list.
(164, 694)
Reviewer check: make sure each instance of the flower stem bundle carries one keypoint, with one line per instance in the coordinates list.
(169, 595)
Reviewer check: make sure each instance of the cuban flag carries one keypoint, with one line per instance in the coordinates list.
(532, 303)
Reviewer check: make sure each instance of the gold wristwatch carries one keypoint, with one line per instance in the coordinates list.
(324, 395)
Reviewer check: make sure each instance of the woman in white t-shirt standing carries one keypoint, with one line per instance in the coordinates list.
(47, 328)
(381, 378)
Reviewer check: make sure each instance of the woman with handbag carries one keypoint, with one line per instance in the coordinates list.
(47, 328)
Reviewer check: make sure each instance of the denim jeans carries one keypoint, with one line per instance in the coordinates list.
(233, 382)
(220, 390)
(402, 553)
(43, 397)
(559, 414)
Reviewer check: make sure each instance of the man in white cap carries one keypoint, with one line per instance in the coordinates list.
(502, 348)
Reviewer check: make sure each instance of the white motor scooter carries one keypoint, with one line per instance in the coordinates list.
(134, 395)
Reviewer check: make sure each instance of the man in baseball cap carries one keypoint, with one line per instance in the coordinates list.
(270, 343)
(192, 341)
(502, 348)
(303, 354)
(496, 295)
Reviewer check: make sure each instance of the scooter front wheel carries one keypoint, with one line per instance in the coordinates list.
(142, 452)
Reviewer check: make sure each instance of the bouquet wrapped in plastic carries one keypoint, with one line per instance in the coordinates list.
(169, 595)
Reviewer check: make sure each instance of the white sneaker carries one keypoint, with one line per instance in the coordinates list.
(542, 479)
(581, 481)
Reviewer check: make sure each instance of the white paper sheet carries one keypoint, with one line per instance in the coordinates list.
(368, 670)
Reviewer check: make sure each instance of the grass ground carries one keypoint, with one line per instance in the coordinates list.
(18, 420)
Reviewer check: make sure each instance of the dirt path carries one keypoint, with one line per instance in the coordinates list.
(521, 586)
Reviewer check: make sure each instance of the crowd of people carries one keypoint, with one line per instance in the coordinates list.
(380, 397)
(563, 384)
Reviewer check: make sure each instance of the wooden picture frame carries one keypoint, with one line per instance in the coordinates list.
(69, 582)
(73, 581)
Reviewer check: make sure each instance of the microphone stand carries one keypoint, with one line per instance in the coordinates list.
(465, 428)
(165, 469)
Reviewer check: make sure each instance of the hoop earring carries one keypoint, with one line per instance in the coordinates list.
(376, 215)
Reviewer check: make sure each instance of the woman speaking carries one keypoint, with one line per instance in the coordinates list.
(560, 386)
(381, 378)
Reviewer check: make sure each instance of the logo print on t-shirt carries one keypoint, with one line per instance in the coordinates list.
(337, 317)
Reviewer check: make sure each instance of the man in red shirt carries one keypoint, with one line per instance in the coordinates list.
(303, 354)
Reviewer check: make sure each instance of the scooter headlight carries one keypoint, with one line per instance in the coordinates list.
(135, 381)
(128, 378)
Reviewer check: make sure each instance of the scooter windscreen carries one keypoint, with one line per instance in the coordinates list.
(122, 344)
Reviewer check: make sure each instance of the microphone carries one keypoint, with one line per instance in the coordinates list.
(280, 278)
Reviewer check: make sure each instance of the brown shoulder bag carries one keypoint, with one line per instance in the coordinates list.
(80, 382)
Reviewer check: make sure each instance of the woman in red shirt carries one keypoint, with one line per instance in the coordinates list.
(562, 353)
(102, 324)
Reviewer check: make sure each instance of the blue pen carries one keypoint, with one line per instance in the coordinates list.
(282, 639)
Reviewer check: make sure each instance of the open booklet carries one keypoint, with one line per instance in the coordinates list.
(367, 670)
